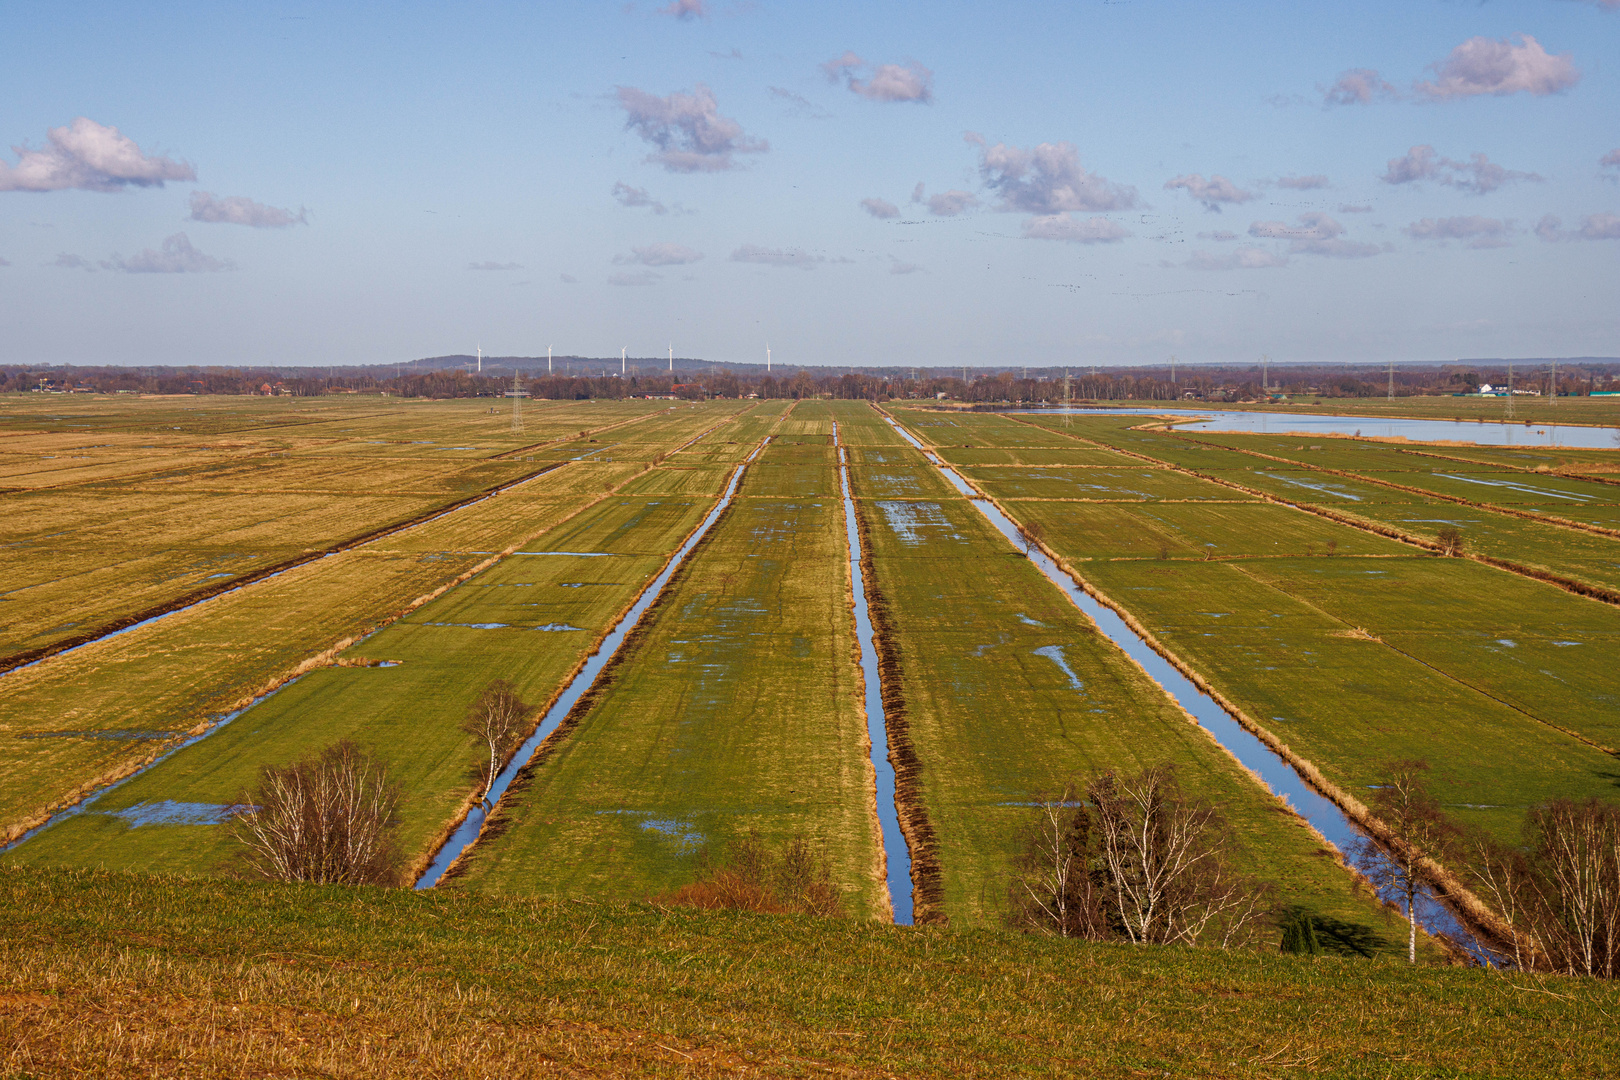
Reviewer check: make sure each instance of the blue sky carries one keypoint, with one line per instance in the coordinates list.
(306, 183)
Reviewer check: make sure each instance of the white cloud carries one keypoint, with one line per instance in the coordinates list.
(794, 257)
(1243, 258)
(952, 203)
(1047, 179)
(685, 9)
(240, 210)
(1478, 175)
(1358, 86)
(1212, 192)
(1315, 234)
(1479, 232)
(687, 129)
(898, 267)
(880, 208)
(1593, 227)
(68, 261)
(5, 261)
(90, 156)
(1483, 65)
(640, 277)
(660, 255)
(1093, 230)
(494, 266)
(1610, 163)
(568, 279)
(885, 82)
(176, 257)
(632, 197)
(1303, 183)
(1347, 208)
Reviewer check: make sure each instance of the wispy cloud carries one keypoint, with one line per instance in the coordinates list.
(568, 279)
(1475, 231)
(1048, 179)
(898, 267)
(633, 197)
(1478, 175)
(1313, 234)
(68, 261)
(1093, 230)
(1212, 192)
(946, 203)
(884, 82)
(687, 129)
(1303, 183)
(1243, 258)
(685, 9)
(240, 210)
(176, 256)
(1609, 164)
(798, 104)
(1347, 208)
(791, 257)
(494, 266)
(1219, 235)
(1358, 86)
(880, 208)
(660, 255)
(1593, 227)
(633, 279)
(1483, 65)
(92, 157)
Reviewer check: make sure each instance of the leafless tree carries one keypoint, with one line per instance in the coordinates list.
(1560, 892)
(1137, 860)
(328, 819)
(1030, 534)
(1166, 857)
(497, 720)
(1419, 831)
(1055, 889)
(1451, 540)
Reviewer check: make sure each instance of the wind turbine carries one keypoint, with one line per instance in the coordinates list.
(622, 351)
(480, 359)
(548, 359)
(672, 358)
(767, 358)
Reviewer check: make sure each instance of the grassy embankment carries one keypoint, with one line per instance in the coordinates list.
(736, 706)
(112, 520)
(77, 719)
(1380, 652)
(123, 975)
(1010, 692)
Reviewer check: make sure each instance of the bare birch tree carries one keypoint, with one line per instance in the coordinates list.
(328, 819)
(497, 720)
(1419, 831)
(1054, 891)
(1030, 535)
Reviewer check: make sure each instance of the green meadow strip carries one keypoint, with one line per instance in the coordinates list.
(734, 707)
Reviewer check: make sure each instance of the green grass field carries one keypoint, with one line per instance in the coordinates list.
(1486, 674)
(736, 707)
(1011, 693)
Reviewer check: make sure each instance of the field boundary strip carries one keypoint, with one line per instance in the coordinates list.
(927, 876)
(586, 432)
(1474, 913)
(1549, 519)
(1564, 472)
(1570, 585)
(196, 596)
(500, 820)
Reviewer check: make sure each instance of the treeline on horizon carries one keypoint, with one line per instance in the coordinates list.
(1214, 382)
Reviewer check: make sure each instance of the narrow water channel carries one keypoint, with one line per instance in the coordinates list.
(1276, 773)
(896, 852)
(467, 832)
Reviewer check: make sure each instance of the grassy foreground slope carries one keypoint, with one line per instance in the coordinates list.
(126, 975)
